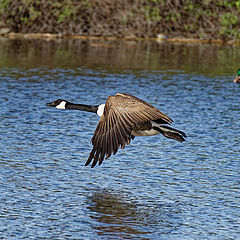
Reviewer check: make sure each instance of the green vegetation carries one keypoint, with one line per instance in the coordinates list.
(209, 19)
(229, 25)
(3, 5)
(64, 13)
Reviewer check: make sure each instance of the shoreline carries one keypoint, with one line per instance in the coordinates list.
(161, 38)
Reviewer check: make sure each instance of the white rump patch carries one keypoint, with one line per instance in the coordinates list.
(62, 105)
(100, 110)
(154, 124)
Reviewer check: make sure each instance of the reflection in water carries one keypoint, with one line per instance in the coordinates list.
(116, 216)
(116, 55)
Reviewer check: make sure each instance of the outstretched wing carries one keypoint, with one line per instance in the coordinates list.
(122, 113)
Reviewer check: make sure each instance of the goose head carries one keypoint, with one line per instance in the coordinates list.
(63, 104)
(59, 103)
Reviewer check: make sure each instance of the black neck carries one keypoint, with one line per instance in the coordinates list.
(82, 107)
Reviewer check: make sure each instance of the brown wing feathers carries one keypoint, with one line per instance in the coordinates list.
(107, 138)
(121, 113)
(141, 107)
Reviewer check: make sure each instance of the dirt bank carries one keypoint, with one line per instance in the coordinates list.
(201, 19)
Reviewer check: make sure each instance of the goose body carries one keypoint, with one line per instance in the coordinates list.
(122, 118)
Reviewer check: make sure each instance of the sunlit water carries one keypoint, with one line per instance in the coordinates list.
(155, 188)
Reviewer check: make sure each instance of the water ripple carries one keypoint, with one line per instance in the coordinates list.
(153, 189)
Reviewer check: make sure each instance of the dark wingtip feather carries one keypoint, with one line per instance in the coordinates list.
(101, 158)
(91, 155)
(93, 164)
(95, 160)
(88, 162)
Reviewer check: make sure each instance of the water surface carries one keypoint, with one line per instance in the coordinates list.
(155, 188)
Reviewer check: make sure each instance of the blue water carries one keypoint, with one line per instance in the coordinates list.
(156, 188)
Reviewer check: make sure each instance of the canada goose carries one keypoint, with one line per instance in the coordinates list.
(122, 118)
(237, 78)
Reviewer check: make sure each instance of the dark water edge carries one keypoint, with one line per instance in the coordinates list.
(153, 189)
(117, 55)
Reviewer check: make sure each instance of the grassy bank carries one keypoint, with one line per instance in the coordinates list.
(204, 19)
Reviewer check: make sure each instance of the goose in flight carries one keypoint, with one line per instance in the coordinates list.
(122, 118)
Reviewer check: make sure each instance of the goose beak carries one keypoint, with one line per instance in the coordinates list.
(51, 104)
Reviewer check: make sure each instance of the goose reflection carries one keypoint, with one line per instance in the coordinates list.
(115, 216)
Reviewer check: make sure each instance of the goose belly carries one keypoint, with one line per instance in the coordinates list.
(148, 132)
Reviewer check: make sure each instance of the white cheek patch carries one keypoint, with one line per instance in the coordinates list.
(100, 110)
(62, 105)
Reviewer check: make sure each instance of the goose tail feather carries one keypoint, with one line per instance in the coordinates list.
(172, 133)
